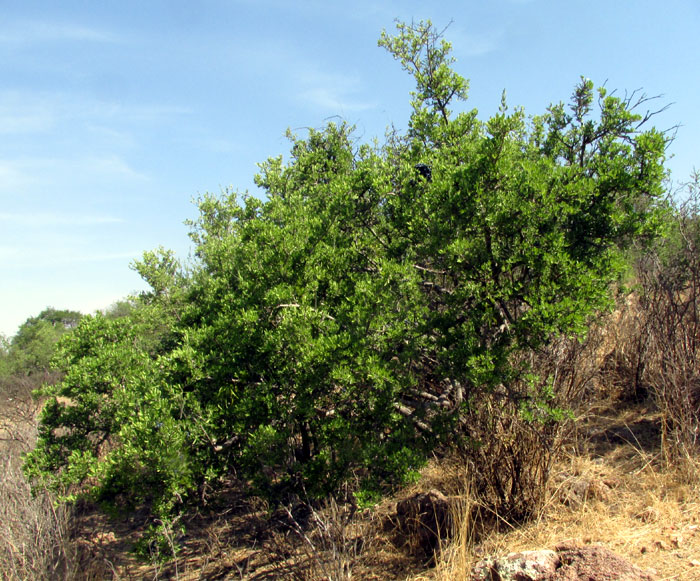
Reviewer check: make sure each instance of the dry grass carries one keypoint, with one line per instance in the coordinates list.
(34, 536)
(611, 487)
(618, 493)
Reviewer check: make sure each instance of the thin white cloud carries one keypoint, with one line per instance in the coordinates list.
(333, 100)
(25, 112)
(305, 78)
(41, 257)
(143, 113)
(28, 112)
(14, 176)
(28, 32)
(118, 139)
(24, 122)
(111, 165)
(102, 257)
(8, 252)
(335, 92)
(47, 219)
(475, 44)
(17, 176)
(219, 145)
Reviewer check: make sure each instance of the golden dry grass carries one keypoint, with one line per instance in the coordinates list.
(611, 488)
(34, 532)
(615, 491)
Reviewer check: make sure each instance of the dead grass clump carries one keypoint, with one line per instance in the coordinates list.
(330, 541)
(34, 536)
(623, 368)
(34, 540)
(458, 554)
(669, 277)
(623, 496)
(672, 307)
(656, 356)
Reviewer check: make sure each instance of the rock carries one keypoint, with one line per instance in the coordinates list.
(599, 563)
(523, 566)
(425, 519)
(578, 491)
(568, 563)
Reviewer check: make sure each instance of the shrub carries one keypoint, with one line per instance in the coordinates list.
(34, 539)
(670, 286)
(377, 302)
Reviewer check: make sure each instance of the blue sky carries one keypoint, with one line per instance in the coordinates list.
(115, 115)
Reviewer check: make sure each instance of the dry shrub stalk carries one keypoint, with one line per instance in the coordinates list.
(34, 540)
(510, 458)
(670, 304)
(517, 431)
(329, 543)
(34, 536)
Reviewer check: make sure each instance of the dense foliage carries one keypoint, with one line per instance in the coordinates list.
(342, 328)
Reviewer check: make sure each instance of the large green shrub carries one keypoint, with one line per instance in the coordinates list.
(346, 325)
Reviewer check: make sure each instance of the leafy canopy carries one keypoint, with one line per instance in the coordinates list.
(341, 328)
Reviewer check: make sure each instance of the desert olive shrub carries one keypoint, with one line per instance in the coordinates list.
(303, 321)
(365, 313)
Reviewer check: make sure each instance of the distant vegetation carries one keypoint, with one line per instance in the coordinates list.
(30, 350)
(383, 304)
